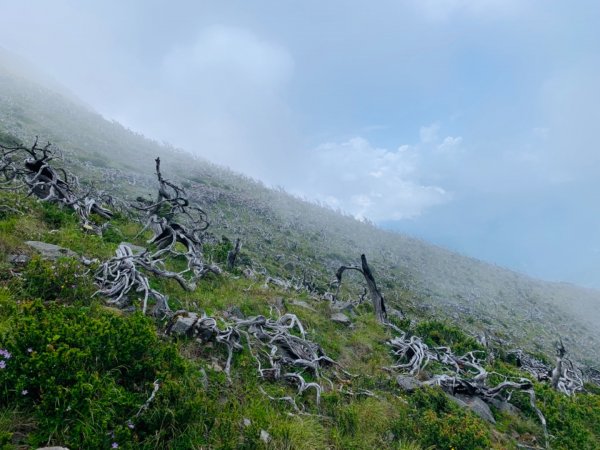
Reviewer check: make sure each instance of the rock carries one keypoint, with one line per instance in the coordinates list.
(265, 437)
(392, 312)
(341, 318)
(234, 311)
(475, 404)
(135, 249)
(341, 306)
(302, 304)
(408, 384)
(504, 407)
(247, 422)
(183, 325)
(19, 260)
(51, 251)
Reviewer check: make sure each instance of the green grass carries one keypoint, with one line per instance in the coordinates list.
(91, 367)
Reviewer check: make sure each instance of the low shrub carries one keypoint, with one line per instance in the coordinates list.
(85, 372)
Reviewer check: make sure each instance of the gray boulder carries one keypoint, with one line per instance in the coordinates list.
(475, 404)
(341, 318)
(51, 251)
(18, 260)
(408, 384)
(183, 324)
(302, 304)
(341, 306)
(504, 407)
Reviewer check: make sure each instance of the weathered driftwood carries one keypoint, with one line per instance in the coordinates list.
(377, 298)
(565, 377)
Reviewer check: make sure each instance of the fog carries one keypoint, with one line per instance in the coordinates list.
(471, 124)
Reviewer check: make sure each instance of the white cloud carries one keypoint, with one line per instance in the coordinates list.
(429, 133)
(450, 145)
(370, 182)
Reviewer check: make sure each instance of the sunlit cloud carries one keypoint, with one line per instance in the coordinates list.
(370, 182)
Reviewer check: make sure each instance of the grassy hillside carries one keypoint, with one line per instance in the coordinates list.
(308, 240)
(78, 372)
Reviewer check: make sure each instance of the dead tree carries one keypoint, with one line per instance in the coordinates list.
(465, 375)
(377, 298)
(49, 184)
(120, 276)
(173, 220)
(565, 377)
(233, 254)
(279, 346)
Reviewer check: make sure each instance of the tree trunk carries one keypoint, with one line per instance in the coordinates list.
(376, 295)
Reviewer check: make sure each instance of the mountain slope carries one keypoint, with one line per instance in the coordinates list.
(292, 238)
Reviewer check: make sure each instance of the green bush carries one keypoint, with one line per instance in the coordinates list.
(56, 215)
(439, 423)
(435, 333)
(85, 372)
(573, 422)
(218, 252)
(63, 280)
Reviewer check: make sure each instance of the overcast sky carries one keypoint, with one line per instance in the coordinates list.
(469, 123)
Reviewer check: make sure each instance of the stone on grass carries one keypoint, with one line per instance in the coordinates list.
(475, 404)
(183, 325)
(341, 306)
(265, 437)
(302, 304)
(51, 251)
(136, 249)
(18, 259)
(408, 384)
(340, 318)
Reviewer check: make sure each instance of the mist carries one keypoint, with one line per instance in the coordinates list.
(470, 124)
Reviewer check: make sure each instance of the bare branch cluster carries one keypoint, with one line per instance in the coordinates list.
(120, 276)
(279, 347)
(173, 220)
(37, 173)
(465, 375)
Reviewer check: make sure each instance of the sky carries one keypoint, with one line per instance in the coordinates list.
(471, 124)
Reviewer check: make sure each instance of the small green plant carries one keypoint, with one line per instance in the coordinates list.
(218, 252)
(63, 280)
(55, 216)
(436, 333)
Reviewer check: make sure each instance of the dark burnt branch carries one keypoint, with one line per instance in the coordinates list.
(377, 298)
